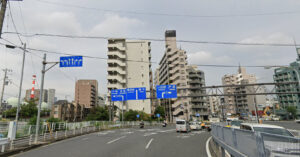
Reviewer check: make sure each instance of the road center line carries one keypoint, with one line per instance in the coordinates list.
(115, 140)
(147, 146)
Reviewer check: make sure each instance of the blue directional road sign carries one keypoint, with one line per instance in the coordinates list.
(118, 95)
(136, 93)
(166, 91)
(137, 116)
(157, 115)
(70, 61)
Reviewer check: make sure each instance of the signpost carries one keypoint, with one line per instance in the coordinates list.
(70, 61)
(137, 116)
(136, 93)
(166, 91)
(157, 115)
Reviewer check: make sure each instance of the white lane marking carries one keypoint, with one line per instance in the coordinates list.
(149, 134)
(115, 140)
(147, 146)
(167, 130)
(105, 133)
(85, 139)
(124, 133)
(207, 147)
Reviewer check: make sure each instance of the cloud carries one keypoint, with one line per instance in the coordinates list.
(115, 25)
(55, 22)
(277, 37)
(204, 57)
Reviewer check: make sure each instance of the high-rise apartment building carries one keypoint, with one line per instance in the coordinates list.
(173, 70)
(240, 103)
(129, 66)
(51, 97)
(198, 104)
(86, 93)
(288, 74)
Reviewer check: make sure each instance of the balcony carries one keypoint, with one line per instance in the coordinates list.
(114, 86)
(116, 69)
(196, 81)
(116, 53)
(116, 61)
(118, 46)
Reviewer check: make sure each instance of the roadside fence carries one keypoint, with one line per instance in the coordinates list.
(242, 143)
(50, 132)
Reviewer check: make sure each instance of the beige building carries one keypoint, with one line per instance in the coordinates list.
(129, 66)
(86, 93)
(215, 105)
(241, 103)
(63, 110)
(197, 102)
(173, 70)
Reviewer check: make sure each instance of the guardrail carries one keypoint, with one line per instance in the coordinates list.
(58, 131)
(242, 143)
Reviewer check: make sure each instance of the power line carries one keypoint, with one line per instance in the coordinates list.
(156, 40)
(30, 50)
(13, 22)
(168, 14)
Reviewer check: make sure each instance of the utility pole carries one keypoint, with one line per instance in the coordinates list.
(20, 87)
(3, 85)
(44, 70)
(2, 14)
(40, 100)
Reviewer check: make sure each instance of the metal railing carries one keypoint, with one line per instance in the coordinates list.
(58, 131)
(241, 143)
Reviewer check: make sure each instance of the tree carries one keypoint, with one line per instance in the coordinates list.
(28, 110)
(160, 110)
(10, 113)
(131, 115)
(98, 113)
(292, 110)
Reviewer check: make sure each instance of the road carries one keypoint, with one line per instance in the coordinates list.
(286, 124)
(133, 142)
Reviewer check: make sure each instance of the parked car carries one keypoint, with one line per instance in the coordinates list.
(182, 126)
(195, 126)
(276, 146)
(297, 120)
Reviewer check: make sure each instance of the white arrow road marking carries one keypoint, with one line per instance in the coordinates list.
(115, 140)
(147, 146)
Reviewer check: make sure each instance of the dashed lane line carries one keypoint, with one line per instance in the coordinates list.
(115, 140)
(147, 146)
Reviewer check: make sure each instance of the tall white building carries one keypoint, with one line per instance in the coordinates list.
(129, 66)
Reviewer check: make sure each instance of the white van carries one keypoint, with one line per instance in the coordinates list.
(182, 126)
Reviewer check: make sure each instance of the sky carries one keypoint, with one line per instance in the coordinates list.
(248, 21)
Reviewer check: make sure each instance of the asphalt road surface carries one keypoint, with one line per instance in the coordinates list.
(133, 142)
(286, 124)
